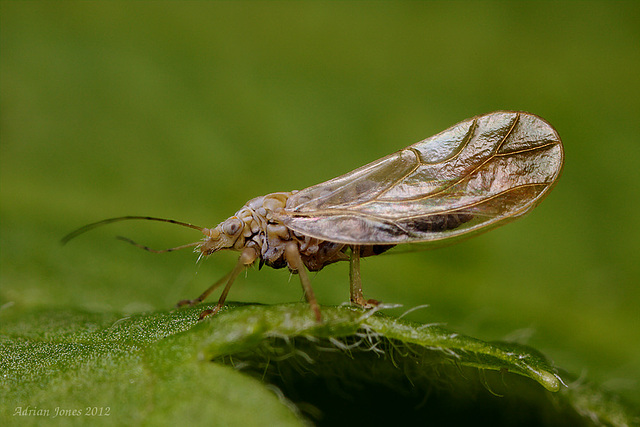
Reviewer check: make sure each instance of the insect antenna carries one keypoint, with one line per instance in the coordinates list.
(156, 251)
(91, 226)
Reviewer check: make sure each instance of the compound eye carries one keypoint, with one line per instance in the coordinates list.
(232, 226)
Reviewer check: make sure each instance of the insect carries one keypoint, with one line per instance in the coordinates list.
(476, 175)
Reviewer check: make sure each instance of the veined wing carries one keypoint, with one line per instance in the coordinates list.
(475, 175)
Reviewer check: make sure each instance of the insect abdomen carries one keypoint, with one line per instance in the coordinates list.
(435, 223)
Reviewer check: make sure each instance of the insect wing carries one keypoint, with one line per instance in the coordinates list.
(475, 175)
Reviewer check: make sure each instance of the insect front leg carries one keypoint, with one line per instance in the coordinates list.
(355, 282)
(292, 255)
(205, 294)
(247, 258)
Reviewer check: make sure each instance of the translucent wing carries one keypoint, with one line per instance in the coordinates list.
(477, 174)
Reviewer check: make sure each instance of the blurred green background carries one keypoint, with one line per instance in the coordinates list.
(187, 110)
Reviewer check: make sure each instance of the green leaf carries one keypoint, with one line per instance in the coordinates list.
(128, 369)
(274, 365)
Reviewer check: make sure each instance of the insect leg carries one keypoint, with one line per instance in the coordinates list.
(247, 257)
(355, 282)
(205, 294)
(292, 254)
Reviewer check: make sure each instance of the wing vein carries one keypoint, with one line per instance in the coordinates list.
(428, 196)
(515, 122)
(389, 187)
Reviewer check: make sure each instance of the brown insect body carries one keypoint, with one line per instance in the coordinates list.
(259, 225)
(476, 175)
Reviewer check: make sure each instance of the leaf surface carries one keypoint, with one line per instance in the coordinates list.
(257, 365)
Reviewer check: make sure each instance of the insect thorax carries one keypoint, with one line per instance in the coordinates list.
(268, 235)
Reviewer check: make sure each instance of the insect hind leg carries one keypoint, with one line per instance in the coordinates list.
(355, 281)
